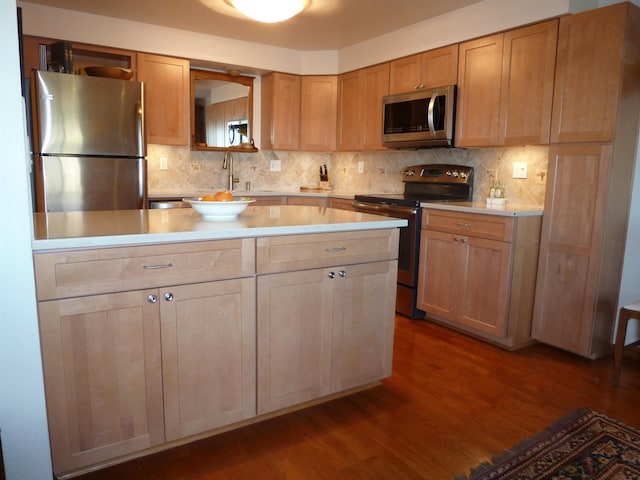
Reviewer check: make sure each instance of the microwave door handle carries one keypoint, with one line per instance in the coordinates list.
(432, 126)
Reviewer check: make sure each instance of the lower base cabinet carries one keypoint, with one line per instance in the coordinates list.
(477, 273)
(152, 344)
(323, 331)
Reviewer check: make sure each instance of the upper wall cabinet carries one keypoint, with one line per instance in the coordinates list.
(360, 108)
(433, 68)
(166, 98)
(318, 112)
(505, 85)
(221, 107)
(280, 102)
(587, 87)
(37, 55)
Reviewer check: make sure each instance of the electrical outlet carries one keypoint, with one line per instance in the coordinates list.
(274, 165)
(360, 166)
(520, 170)
(164, 163)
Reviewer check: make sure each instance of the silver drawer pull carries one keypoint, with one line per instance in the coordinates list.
(463, 224)
(335, 249)
(156, 267)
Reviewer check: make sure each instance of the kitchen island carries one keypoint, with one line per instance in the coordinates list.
(158, 328)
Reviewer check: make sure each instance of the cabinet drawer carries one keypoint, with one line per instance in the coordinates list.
(86, 272)
(298, 252)
(486, 226)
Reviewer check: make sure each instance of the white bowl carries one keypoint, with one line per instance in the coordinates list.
(219, 210)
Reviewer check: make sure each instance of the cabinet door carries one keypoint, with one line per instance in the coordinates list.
(375, 86)
(479, 83)
(485, 284)
(280, 111)
(588, 72)
(350, 111)
(528, 68)
(294, 338)
(208, 355)
(439, 274)
(570, 245)
(166, 82)
(318, 112)
(404, 74)
(363, 313)
(103, 380)
(440, 67)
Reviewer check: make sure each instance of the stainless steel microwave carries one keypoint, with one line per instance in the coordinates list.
(419, 119)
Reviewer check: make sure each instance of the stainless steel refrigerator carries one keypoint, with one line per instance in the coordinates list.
(88, 142)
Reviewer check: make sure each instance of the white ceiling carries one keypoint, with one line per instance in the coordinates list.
(325, 25)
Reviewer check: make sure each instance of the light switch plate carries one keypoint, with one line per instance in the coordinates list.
(360, 166)
(520, 170)
(164, 164)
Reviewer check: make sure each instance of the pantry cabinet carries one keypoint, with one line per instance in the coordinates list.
(505, 87)
(477, 273)
(323, 314)
(280, 104)
(167, 110)
(434, 68)
(589, 187)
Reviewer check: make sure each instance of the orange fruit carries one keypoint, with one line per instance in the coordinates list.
(224, 196)
(208, 198)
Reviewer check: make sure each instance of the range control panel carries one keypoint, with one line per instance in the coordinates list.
(438, 173)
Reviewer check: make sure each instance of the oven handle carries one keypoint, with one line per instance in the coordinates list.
(386, 209)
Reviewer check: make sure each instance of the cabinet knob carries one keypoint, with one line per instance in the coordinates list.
(331, 275)
(152, 299)
(168, 296)
(342, 273)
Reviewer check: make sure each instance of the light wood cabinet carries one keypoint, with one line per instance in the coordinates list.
(311, 201)
(280, 103)
(434, 68)
(84, 55)
(589, 187)
(505, 85)
(327, 329)
(593, 55)
(477, 273)
(124, 371)
(341, 203)
(102, 373)
(208, 355)
(166, 98)
(360, 108)
(318, 112)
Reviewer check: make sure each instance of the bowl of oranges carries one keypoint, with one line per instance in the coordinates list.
(222, 205)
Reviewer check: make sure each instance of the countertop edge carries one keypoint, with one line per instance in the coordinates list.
(484, 209)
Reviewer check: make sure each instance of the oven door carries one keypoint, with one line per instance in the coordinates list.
(408, 247)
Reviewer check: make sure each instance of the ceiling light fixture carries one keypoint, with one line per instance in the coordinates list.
(270, 11)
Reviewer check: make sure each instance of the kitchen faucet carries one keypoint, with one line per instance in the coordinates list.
(227, 163)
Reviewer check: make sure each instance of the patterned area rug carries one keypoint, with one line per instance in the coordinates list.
(585, 445)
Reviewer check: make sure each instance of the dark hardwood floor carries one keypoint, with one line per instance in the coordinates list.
(451, 403)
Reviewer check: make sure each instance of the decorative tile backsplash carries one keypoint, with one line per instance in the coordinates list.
(190, 171)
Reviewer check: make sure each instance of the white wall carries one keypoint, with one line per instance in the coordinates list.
(22, 410)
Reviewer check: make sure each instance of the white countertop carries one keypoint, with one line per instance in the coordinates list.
(62, 230)
(509, 209)
(253, 193)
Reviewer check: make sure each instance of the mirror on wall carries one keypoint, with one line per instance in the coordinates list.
(221, 107)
